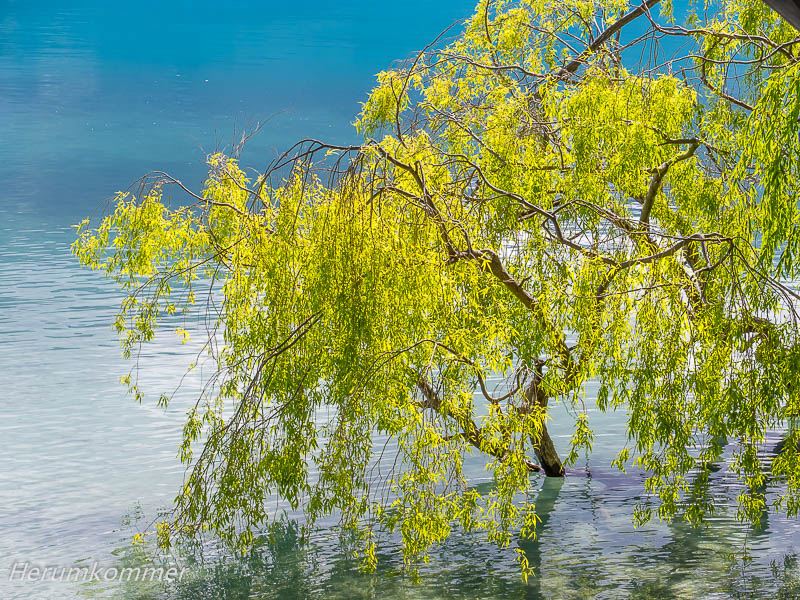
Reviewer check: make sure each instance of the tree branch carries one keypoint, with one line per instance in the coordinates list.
(470, 431)
(655, 183)
(605, 36)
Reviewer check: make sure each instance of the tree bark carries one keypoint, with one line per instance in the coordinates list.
(543, 447)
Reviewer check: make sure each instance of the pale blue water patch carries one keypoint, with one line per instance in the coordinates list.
(95, 94)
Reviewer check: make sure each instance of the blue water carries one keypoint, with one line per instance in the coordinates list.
(95, 94)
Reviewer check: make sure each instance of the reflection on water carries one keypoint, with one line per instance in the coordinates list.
(579, 553)
(94, 94)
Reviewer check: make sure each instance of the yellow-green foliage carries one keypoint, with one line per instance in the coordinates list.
(623, 222)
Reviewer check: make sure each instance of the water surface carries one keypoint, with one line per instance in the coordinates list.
(95, 94)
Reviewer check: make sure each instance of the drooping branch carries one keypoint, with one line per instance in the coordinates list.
(697, 237)
(606, 35)
(491, 262)
(658, 178)
(469, 430)
(719, 92)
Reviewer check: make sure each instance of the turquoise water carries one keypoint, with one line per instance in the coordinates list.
(92, 96)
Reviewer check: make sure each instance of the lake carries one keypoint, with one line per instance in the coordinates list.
(95, 94)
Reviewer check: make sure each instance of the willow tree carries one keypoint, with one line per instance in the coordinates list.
(565, 192)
